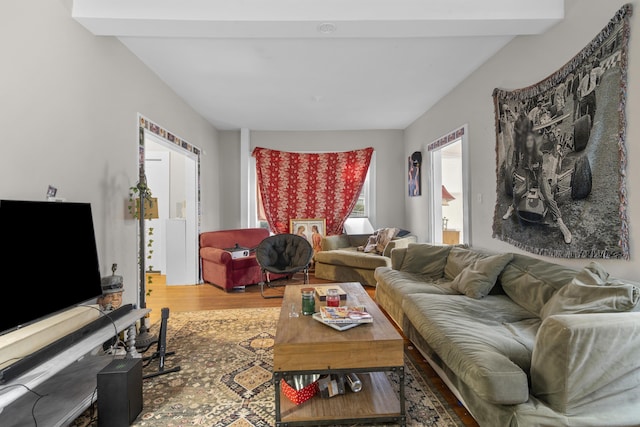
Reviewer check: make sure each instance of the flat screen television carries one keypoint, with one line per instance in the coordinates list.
(49, 260)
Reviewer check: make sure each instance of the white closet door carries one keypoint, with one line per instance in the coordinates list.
(157, 170)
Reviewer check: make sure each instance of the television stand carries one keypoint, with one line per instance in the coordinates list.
(60, 388)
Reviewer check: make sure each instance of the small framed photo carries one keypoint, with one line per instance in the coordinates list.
(312, 229)
(51, 192)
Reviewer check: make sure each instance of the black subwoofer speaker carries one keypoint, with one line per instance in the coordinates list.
(120, 393)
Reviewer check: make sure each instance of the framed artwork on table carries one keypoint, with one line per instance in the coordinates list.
(312, 229)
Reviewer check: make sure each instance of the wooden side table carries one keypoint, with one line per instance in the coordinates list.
(450, 237)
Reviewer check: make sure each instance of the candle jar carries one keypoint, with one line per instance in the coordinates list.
(308, 301)
(333, 298)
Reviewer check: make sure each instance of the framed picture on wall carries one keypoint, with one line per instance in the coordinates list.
(312, 229)
(415, 174)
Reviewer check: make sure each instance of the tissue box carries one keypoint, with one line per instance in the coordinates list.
(301, 395)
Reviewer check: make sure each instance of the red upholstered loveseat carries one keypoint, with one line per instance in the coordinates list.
(219, 269)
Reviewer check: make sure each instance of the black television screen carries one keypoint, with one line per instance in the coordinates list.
(49, 259)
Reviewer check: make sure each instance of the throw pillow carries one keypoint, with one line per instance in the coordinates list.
(386, 235)
(596, 296)
(594, 274)
(379, 240)
(370, 246)
(426, 259)
(477, 280)
(459, 258)
(402, 232)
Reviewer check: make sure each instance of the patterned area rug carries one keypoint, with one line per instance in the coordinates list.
(226, 360)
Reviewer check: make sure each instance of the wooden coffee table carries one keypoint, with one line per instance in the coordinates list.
(304, 345)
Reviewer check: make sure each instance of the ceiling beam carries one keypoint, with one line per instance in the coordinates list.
(305, 18)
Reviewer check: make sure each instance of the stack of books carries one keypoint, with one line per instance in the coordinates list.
(345, 314)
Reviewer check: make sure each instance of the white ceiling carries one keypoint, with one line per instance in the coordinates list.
(314, 64)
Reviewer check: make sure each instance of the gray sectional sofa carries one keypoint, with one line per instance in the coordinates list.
(520, 341)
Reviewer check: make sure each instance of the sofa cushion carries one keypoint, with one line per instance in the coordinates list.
(392, 286)
(458, 259)
(355, 240)
(471, 338)
(405, 283)
(351, 257)
(338, 241)
(477, 279)
(592, 291)
(425, 259)
(531, 282)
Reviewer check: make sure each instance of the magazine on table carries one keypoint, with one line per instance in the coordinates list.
(336, 326)
(345, 314)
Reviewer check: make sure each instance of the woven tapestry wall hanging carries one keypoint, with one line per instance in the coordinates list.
(310, 185)
(561, 157)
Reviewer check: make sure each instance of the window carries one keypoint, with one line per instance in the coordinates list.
(361, 209)
(366, 205)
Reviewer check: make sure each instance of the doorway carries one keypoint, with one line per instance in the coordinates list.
(172, 237)
(449, 170)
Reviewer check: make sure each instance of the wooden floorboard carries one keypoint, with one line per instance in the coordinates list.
(210, 297)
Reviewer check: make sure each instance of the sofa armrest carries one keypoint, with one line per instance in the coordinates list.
(216, 255)
(339, 241)
(400, 242)
(397, 257)
(584, 360)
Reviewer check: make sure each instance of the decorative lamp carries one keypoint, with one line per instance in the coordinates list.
(446, 196)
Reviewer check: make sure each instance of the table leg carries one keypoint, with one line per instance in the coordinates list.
(276, 383)
(132, 352)
(403, 420)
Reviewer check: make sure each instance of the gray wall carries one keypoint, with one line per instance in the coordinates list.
(230, 190)
(68, 113)
(522, 62)
(390, 165)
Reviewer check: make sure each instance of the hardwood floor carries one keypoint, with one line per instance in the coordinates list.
(209, 297)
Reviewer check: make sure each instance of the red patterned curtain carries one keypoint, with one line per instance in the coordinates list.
(310, 185)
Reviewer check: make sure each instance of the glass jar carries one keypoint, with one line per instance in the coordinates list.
(333, 298)
(308, 301)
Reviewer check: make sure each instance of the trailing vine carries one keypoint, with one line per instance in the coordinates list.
(135, 193)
